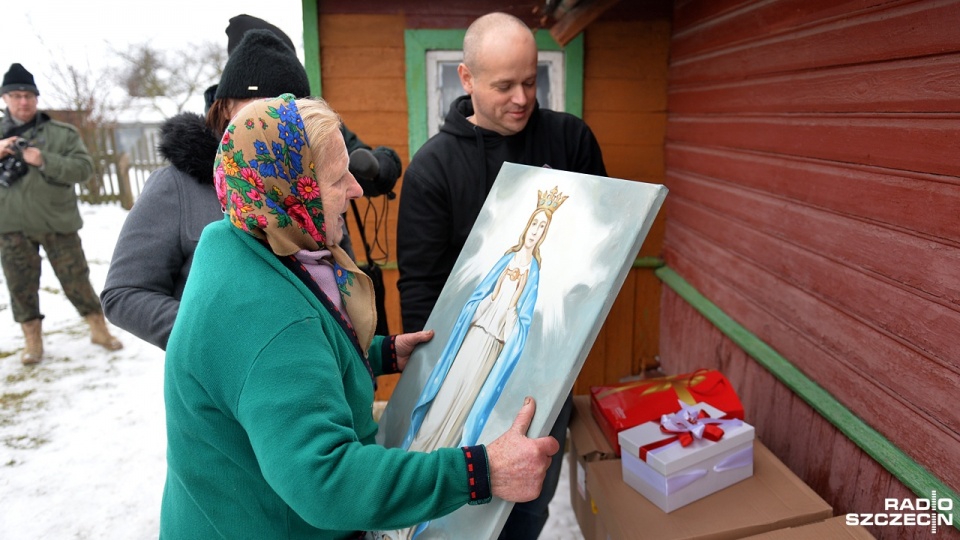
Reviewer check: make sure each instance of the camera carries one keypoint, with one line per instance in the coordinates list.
(365, 167)
(13, 167)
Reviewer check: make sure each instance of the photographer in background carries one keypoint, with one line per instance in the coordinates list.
(38, 207)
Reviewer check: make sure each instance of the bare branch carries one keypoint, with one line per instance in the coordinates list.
(83, 90)
(173, 76)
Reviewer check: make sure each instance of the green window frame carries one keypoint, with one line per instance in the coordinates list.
(418, 42)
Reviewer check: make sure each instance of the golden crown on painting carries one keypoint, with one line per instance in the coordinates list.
(549, 201)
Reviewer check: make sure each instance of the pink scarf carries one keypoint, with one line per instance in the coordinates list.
(319, 265)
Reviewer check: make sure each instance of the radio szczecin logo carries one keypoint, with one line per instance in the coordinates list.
(932, 512)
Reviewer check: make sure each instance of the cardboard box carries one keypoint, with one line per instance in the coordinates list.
(832, 529)
(622, 406)
(587, 445)
(773, 498)
(672, 476)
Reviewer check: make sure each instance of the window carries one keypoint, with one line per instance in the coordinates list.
(443, 84)
(432, 57)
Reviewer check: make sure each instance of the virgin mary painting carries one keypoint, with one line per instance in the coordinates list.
(486, 342)
(540, 301)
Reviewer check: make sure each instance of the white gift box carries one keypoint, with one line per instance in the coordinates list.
(673, 475)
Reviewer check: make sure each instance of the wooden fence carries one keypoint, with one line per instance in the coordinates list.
(120, 171)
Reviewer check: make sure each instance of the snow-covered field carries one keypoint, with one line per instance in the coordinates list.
(82, 435)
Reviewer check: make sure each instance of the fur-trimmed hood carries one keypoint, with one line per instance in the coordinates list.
(187, 143)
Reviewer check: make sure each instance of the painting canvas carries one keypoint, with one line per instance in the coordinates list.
(526, 299)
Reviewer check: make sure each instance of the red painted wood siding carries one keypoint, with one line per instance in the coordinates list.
(814, 198)
(846, 477)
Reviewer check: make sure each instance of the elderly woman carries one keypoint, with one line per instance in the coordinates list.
(271, 363)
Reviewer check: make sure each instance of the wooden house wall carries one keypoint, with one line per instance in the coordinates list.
(814, 198)
(624, 101)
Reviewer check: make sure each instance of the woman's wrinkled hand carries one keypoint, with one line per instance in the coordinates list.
(406, 343)
(518, 464)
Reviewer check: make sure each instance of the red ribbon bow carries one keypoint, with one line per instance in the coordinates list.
(710, 432)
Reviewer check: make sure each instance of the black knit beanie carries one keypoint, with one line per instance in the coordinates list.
(262, 66)
(18, 78)
(241, 24)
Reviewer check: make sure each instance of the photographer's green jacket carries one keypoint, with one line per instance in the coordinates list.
(46, 201)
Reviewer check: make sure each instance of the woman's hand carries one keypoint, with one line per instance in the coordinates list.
(517, 463)
(406, 343)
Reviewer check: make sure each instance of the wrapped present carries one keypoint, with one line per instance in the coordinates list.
(686, 455)
(623, 406)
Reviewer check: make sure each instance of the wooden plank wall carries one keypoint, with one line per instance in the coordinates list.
(625, 72)
(814, 199)
(362, 72)
(832, 465)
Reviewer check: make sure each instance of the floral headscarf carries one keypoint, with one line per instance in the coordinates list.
(265, 176)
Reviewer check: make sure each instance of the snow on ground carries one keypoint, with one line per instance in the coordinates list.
(82, 435)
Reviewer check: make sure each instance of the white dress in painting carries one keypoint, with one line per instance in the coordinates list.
(491, 325)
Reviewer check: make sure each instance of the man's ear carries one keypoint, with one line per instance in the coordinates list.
(466, 78)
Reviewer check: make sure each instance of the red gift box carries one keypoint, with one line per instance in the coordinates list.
(623, 406)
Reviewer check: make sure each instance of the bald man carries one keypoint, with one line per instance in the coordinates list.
(449, 178)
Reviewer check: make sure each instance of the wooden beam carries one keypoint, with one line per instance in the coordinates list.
(577, 18)
(311, 45)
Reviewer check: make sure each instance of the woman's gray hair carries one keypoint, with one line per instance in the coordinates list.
(320, 122)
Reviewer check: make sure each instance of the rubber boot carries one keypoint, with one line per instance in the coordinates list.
(33, 342)
(99, 335)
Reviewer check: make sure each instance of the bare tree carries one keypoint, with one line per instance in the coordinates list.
(142, 72)
(173, 76)
(83, 90)
(83, 96)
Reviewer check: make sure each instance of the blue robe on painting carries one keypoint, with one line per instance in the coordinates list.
(502, 369)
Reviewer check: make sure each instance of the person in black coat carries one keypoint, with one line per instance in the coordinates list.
(447, 182)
